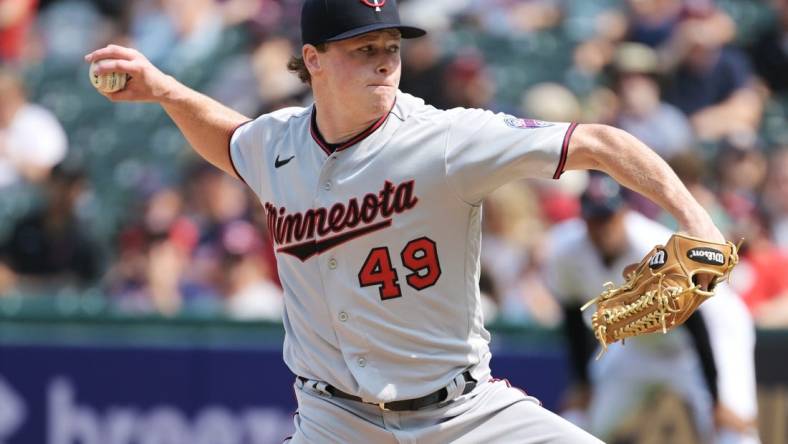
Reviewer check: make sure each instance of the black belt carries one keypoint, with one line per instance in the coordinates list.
(407, 404)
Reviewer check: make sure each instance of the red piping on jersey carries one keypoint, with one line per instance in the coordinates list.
(564, 151)
(229, 150)
(356, 139)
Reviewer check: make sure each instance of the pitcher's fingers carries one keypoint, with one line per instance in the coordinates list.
(704, 280)
(111, 52)
(108, 66)
(124, 95)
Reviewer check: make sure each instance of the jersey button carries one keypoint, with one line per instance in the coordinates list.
(343, 316)
(332, 263)
(327, 186)
(362, 362)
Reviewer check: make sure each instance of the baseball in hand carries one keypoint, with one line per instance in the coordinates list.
(109, 82)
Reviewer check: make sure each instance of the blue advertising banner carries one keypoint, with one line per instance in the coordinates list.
(141, 395)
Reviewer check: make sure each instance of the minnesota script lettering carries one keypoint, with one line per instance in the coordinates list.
(304, 235)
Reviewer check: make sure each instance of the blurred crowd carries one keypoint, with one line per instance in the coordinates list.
(104, 198)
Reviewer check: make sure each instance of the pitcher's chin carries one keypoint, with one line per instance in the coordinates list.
(382, 98)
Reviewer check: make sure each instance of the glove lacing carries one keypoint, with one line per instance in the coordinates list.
(661, 295)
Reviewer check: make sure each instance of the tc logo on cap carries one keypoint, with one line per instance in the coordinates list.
(374, 3)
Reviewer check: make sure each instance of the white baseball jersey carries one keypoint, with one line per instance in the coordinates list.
(377, 241)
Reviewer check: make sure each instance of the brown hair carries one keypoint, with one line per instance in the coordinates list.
(297, 66)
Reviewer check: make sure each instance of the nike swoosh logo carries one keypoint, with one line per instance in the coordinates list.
(280, 163)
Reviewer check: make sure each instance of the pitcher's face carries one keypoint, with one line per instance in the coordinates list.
(364, 71)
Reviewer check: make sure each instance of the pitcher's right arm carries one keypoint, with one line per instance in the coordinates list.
(205, 123)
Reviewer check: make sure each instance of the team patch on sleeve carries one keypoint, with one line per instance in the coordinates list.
(516, 122)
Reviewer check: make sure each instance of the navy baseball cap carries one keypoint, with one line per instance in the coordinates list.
(602, 198)
(331, 20)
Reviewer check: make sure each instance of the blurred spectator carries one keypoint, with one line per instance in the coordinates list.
(32, 141)
(239, 11)
(424, 70)
(154, 256)
(51, 249)
(512, 227)
(593, 54)
(7, 279)
(675, 25)
(659, 125)
(260, 72)
(16, 18)
(167, 261)
(200, 255)
(693, 172)
(761, 276)
(214, 200)
(534, 16)
(176, 34)
(741, 171)
(775, 197)
(770, 50)
(276, 87)
(215, 203)
(652, 22)
(550, 102)
(251, 293)
(264, 18)
(508, 215)
(507, 17)
(467, 82)
(439, 15)
(558, 200)
(712, 82)
(67, 29)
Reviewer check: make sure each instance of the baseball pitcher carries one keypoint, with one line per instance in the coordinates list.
(373, 199)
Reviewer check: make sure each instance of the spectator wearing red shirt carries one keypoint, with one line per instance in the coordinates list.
(760, 277)
(16, 17)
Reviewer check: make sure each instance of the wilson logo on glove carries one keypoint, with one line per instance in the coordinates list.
(706, 256)
(658, 260)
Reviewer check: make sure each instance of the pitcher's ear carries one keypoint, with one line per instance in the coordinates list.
(311, 58)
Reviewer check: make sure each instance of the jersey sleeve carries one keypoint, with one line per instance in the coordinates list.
(486, 150)
(246, 153)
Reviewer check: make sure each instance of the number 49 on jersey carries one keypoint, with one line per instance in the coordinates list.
(420, 256)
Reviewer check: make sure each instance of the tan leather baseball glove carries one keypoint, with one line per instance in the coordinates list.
(661, 293)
